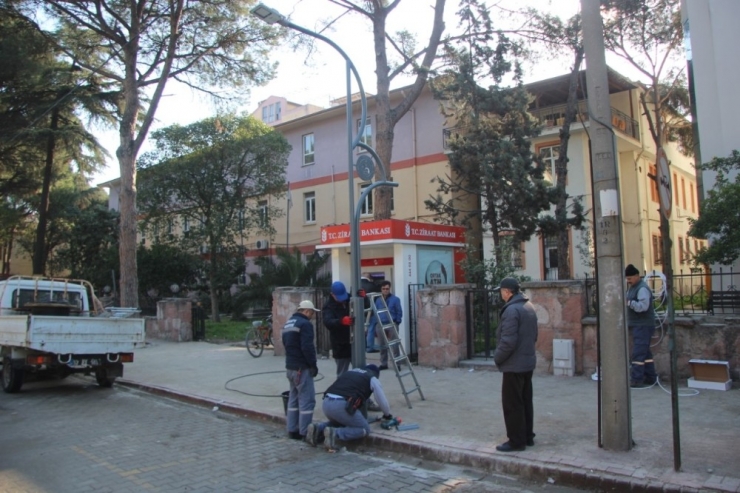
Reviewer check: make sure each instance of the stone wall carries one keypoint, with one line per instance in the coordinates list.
(441, 337)
(561, 313)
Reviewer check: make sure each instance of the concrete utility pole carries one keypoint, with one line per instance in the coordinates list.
(615, 398)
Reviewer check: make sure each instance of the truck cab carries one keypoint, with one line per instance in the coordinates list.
(38, 296)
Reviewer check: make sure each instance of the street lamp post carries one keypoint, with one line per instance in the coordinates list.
(365, 169)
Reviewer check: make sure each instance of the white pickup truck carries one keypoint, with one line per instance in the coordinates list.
(58, 327)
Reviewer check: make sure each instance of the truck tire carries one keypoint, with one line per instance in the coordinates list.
(102, 377)
(12, 377)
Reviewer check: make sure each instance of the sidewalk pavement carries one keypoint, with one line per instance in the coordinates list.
(461, 422)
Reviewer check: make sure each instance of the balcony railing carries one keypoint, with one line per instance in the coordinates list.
(554, 117)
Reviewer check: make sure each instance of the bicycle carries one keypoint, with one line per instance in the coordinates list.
(259, 336)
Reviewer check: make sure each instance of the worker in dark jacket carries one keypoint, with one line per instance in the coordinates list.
(300, 363)
(641, 320)
(342, 405)
(337, 320)
(515, 356)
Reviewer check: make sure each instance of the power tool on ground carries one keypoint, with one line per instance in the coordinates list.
(387, 424)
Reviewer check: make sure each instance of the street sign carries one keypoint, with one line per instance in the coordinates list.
(664, 184)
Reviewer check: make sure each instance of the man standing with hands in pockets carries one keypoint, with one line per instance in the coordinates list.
(515, 356)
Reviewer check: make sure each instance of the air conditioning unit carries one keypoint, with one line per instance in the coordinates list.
(262, 244)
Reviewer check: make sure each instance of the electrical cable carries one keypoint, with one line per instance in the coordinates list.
(226, 385)
(692, 392)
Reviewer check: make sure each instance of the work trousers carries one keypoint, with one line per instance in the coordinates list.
(516, 400)
(301, 401)
(643, 366)
(349, 426)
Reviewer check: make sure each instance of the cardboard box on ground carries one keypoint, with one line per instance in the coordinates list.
(710, 374)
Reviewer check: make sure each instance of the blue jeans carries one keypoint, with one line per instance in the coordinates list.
(348, 426)
(643, 366)
(370, 340)
(301, 401)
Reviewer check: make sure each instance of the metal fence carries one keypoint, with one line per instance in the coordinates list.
(694, 291)
(413, 351)
(481, 321)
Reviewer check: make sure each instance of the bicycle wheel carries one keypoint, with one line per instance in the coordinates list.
(254, 343)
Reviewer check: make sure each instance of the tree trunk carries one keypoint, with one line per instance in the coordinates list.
(387, 117)
(561, 171)
(383, 118)
(126, 153)
(212, 281)
(39, 248)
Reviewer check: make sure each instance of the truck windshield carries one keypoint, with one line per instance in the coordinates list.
(23, 296)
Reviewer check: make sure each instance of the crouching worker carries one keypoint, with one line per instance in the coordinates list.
(342, 402)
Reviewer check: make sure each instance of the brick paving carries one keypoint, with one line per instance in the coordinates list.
(76, 437)
(460, 421)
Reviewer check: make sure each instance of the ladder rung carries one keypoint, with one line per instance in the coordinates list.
(412, 390)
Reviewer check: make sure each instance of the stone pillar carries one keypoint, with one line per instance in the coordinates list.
(284, 304)
(441, 325)
(174, 321)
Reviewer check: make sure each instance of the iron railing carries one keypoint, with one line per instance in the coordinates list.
(482, 316)
(694, 291)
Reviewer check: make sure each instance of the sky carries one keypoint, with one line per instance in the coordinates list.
(320, 77)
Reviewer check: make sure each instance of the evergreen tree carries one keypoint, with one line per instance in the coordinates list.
(494, 178)
(138, 47)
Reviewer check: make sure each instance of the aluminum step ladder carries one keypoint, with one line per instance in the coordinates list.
(396, 353)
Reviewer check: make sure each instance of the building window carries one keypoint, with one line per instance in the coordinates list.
(683, 192)
(675, 188)
(271, 112)
(691, 196)
(367, 204)
(550, 251)
(262, 207)
(657, 250)
(185, 224)
(309, 207)
(308, 150)
(241, 217)
(549, 156)
(681, 252)
(516, 250)
(654, 184)
(367, 136)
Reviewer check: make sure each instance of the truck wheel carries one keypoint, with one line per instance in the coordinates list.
(12, 377)
(101, 376)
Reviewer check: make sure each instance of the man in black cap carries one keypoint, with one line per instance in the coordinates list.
(516, 358)
(641, 319)
(342, 402)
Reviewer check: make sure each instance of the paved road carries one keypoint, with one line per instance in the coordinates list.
(73, 436)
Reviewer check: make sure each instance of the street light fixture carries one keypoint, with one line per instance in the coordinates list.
(364, 168)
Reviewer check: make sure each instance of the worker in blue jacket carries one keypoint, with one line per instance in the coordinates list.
(396, 314)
